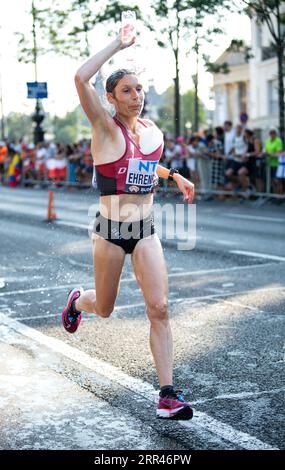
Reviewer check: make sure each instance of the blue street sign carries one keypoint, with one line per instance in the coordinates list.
(37, 89)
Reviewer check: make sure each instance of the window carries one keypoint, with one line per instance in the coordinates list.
(273, 97)
(258, 37)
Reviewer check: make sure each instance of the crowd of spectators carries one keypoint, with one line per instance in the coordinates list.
(31, 164)
(226, 159)
(229, 159)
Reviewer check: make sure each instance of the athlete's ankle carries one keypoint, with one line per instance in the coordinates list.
(166, 390)
(73, 308)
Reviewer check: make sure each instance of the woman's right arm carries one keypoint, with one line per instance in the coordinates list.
(88, 96)
(89, 99)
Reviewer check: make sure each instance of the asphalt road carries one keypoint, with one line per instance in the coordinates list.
(97, 389)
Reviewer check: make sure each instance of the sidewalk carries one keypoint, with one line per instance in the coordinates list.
(41, 409)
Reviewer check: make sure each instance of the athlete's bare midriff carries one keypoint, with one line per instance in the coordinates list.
(122, 207)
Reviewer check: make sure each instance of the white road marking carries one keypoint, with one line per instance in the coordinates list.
(225, 242)
(255, 217)
(78, 263)
(182, 272)
(218, 270)
(258, 255)
(180, 300)
(200, 420)
(238, 304)
(240, 396)
(131, 279)
(72, 224)
(36, 289)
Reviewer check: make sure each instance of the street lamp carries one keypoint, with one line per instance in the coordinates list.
(38, 115)
(188, 127)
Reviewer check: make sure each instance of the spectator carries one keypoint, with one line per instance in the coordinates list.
(253, 175)
(217, 170)
(169, 152)
(14, 168)
(60, 164)
(73, 157)
(220, 136)
(229, 135)
(280, 173)
(194, 151)
(40, 161)
(273, 147)
(236, 166)
(28, 164)
(184, 154)
(203, 166)
(178, 158)
(3, 160)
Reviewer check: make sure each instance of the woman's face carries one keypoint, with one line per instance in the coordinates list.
(128, 96)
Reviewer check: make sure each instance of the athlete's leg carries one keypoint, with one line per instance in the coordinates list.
(108, 262)
(150, 270)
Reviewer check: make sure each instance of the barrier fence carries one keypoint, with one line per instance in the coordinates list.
(164, 186)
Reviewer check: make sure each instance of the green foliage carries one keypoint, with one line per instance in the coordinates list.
(166, 112)
(71, 127)
(63, 28)
(66, 134)
(19, 125)
(67, 129)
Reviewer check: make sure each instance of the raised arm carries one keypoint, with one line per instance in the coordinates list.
(88, 96)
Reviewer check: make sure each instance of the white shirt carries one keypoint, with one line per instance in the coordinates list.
(229, 141)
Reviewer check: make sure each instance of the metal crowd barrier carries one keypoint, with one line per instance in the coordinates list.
(166, 187)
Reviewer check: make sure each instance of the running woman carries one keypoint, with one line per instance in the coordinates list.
(126, 152)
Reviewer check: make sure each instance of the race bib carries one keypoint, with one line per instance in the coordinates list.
(141, 176)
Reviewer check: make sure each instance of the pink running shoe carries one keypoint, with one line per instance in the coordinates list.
(174, 406)
(69, 319)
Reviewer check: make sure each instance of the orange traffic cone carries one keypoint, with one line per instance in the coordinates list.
(51, 212)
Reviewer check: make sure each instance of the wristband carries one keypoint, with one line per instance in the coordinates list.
(171, 173)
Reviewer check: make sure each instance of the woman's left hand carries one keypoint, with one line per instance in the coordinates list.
(186, 187)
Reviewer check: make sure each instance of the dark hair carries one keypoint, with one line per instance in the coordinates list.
(115, 77)
(193, 139)
(220, 131)
(248, 132)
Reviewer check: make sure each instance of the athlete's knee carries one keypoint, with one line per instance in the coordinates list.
(157, 310)
(104, 311)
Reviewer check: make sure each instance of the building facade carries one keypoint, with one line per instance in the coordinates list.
(250, 88)
(231, 90)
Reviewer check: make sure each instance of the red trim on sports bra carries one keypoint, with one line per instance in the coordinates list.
(127, 138)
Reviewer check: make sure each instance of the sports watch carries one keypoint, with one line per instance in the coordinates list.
(171, 173)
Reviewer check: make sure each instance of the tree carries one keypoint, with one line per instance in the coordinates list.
(19, 126)
(72, 127)
(64, 29)
(272, 14)
(166, 112)
(180, 19)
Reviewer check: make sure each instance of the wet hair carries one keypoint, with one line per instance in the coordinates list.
(115, 77)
